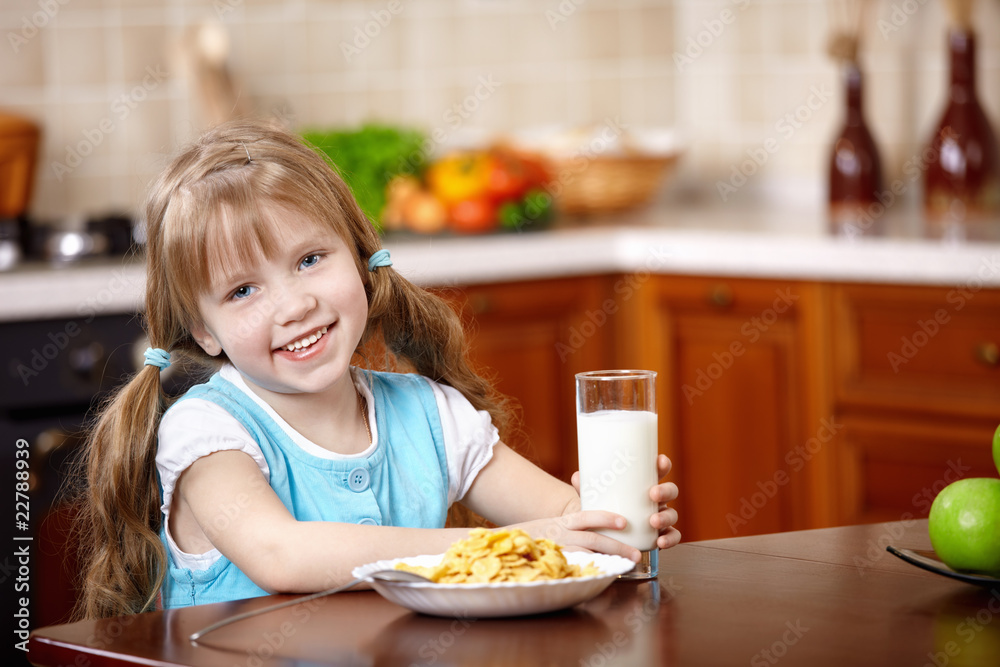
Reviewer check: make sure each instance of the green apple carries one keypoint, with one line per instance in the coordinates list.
(996, 448)
(964, 525)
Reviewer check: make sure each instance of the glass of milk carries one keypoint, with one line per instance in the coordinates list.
(616, 439)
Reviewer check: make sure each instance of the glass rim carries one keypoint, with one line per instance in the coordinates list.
(618, 374)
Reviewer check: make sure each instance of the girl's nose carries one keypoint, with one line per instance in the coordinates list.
(293, 304)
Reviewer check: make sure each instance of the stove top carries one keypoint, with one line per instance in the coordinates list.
(66, 241)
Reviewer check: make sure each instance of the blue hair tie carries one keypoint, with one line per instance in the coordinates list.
(157, 357)
(379, 258)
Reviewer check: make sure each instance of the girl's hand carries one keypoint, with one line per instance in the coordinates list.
(575, 530)
(665, 517)
(662, 493)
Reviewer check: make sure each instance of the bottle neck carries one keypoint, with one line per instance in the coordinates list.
(853, 96)
(962, 50)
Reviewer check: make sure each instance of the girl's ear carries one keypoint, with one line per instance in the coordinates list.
(205, 339)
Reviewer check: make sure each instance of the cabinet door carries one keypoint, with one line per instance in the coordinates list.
(891, 468)
(736, 409)
(917, 383)
(532, 337)
(931, 351)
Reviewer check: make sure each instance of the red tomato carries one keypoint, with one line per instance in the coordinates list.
(507, 179)
(473, 216)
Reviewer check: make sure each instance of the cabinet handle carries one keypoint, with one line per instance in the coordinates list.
(720, 295)
(988, 354)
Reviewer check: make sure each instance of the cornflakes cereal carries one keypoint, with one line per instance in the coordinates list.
(492, 556)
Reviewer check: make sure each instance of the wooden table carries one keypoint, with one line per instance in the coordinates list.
(820, 597)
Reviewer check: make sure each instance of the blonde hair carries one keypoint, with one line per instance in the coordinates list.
(209, 205)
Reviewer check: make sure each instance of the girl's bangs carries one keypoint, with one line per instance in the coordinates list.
(215, 238)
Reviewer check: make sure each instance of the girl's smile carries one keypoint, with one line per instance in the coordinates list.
(305, 342)
(307, 347)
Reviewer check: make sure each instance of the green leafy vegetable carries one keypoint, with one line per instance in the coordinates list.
(368, 157)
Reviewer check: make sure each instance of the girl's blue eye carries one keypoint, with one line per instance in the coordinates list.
(243, 292)
(309, 260)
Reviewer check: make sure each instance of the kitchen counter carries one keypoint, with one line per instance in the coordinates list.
(760, 242)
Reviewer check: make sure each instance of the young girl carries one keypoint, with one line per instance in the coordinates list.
(290, 466)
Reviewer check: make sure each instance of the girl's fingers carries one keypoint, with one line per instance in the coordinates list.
(663, 465)
(664, 493)
(612, 546)
(591, 541)
(577, 531)
(593, 519)
(670, 538)
(664, 519)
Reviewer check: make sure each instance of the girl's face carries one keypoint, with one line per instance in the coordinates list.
(289, 324)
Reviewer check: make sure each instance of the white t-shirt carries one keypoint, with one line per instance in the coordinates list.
(197, 427)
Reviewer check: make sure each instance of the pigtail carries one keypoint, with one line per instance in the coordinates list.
(422, 329)
(123, 561)
(119, 520)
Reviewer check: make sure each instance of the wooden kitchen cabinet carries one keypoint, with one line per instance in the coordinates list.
(917, 386)
(533, 337)
(783, 404)
(741, 369)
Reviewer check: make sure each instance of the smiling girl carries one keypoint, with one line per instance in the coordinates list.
(289, 466)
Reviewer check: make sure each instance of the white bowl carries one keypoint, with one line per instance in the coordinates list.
(495, 600)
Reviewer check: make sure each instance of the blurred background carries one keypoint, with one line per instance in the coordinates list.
(117, 85)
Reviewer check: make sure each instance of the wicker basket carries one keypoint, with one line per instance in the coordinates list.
(604, 184)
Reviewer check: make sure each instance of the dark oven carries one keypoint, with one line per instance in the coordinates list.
(55, 372)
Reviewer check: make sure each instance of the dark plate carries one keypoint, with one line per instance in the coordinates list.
(928, 560)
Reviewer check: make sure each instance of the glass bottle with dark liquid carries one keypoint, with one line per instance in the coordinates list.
(962, 181)
(855, 169)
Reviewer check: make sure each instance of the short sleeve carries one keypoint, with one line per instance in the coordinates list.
(194, 428)
(469, 437)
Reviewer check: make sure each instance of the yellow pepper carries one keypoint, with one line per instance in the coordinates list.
(459, 176)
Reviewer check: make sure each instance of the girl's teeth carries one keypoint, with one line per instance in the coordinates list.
(307, 341)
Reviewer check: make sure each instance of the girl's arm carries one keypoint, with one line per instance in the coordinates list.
(510, 489)
(226, 496)
(224, 500)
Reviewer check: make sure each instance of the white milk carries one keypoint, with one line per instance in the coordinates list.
(617, 451)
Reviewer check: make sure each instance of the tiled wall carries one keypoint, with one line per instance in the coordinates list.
(103, 78)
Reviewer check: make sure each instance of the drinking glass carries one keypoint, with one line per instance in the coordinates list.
(616, 440)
